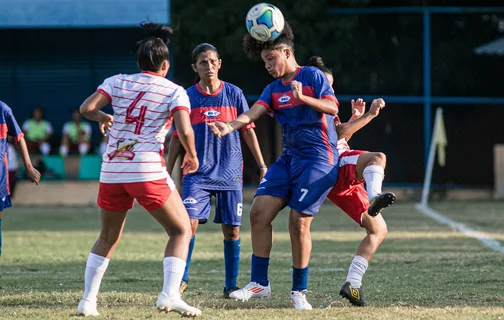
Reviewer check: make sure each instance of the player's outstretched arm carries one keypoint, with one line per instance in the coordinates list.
(185, 131)
(175, 150)
(250, 138)
(347, 129)
(220, 129)
(91, 107)
(326, 106)
(32, 173)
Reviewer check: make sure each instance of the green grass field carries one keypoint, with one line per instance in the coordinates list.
(423, 270)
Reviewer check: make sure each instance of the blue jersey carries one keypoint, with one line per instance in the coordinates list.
(220, 159)
(8, 126)
(307, 133)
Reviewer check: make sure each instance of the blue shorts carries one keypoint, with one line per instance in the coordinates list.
(228, 204)
(5, 202)
(303, 183)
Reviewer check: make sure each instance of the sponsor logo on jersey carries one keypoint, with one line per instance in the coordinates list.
(284, 99)
(212, 113)
(124, 150)
(190, 200)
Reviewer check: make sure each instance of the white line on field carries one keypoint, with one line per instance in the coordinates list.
(480, 236)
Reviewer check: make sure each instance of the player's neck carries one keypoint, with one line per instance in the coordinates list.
(209, 86)
(290, 73)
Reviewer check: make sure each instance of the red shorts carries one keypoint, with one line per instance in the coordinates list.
(120, 196)
(348, 193)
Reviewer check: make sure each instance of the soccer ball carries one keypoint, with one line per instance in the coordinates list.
(265, 22)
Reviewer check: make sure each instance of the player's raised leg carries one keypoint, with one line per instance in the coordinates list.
(263, 211)
(371, 167)
(112, 224)
(175, 220)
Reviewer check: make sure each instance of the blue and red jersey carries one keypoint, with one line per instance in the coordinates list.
(220, 159)
(307, 133)
(8, 126)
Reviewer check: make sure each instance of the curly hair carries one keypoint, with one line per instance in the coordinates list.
(251, 46)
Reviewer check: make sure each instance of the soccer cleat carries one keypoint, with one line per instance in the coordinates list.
(354, 295)
(183, 286)
(380, 202)
(251, 290)
(299, 302)
(87, 309)
(175, 304)
(228, 292)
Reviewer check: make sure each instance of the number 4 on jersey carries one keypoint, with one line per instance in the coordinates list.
(140, 119)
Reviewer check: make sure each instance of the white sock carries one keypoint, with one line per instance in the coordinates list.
(356, 271)
(45, 148)
(173, 271)
(95, 269)
(374, 177)
(83, 148)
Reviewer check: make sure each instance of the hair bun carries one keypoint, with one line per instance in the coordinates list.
(316, 62)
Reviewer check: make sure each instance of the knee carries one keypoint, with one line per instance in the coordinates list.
(379, 158)
(255, 218)
(231, 232)
(299, 227)
(379, 230)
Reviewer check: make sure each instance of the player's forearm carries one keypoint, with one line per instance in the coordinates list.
(254, 113)
(347, 129)
(174, 150)
(186, 138)
(23, 150)
(251, 140)
(95, 115)
(321, 105)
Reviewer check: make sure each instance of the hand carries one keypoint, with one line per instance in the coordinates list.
(33, 175)
(190, 164)
(105, 123)
(297, 89)
(376, 106)
(358, 109)
(219, 129)
(262, 173)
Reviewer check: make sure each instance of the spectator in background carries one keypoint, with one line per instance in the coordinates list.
(38, 131)
(76, 135)
(13, 165)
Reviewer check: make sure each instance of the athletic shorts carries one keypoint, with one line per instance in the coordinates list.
(5, 202)
(120, 196)
(303, 183)
(349, 193)
(228, 204)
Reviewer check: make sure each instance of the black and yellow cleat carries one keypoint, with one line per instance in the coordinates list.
(380, 202)
(183, 287)
(354, 295)
(228, 292)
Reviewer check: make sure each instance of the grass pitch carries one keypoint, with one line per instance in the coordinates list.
(423, 270)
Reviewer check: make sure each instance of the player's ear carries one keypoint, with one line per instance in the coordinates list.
(220, 63)
(165, 65)
(194, 67)
(287, 53)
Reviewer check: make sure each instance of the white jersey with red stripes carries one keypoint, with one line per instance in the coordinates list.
(342, 146)
(143, 106)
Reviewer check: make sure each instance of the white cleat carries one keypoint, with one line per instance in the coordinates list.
(299, 302)
(251, 290)
(87, 308)
(176, 304)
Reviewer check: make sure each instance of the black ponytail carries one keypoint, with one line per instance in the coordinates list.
(153, 50)
(318, 63)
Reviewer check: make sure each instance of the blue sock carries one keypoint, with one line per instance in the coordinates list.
(231, 261)
(0, 237)
(185, 277)
(259, 270)
(299, 279)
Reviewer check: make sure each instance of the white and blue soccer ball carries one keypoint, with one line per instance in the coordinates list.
(265, 22)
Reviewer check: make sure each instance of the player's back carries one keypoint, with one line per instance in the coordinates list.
(307, 133)
(143, 105)
(221, 161)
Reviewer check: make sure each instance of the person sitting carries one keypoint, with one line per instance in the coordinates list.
(38, 131)
(76, 136)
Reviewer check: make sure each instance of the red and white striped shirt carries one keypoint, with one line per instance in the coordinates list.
(143, 106)
(342, 146)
